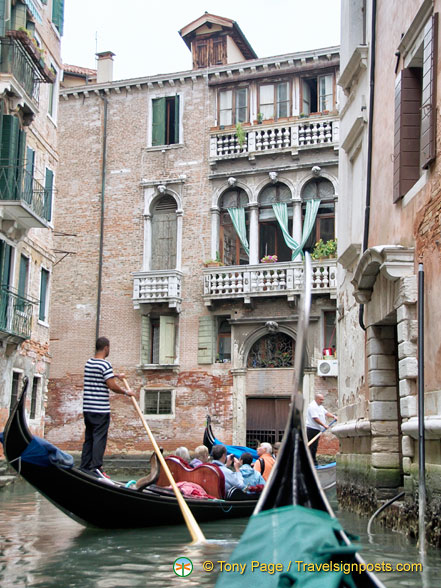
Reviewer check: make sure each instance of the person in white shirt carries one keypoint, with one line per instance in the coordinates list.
(316, 422)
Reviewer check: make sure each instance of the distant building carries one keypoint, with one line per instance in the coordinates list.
(389, 221)
(176, 187)
(30, 34)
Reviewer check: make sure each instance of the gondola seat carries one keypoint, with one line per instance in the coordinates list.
(207, 475)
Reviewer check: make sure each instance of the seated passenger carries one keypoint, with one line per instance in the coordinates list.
(201, 456)
(183, 453)
(264, 463)
(250, 476)
(276, 448)
(232, 479)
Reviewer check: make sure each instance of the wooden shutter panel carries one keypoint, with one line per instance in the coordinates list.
(176, 129)
(29, 174)
(145, 339)
(43, 294)
(58, 15)
(9, 151)
(158, 121)
(201, 53)
(23, 276)
(48, 189)
(407, 131)
(2, 17)
(206, 339)
(167, 330)
(428, 109)
(5, 263)
(218, 52)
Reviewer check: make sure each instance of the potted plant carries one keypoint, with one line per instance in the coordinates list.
(324, 250)
(240, 134)
(259, 118)
(303, 115)
(213, 262)
(269, 259)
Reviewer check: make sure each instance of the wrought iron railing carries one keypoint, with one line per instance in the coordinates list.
(15, 61)
(15, 314)
(16, 183)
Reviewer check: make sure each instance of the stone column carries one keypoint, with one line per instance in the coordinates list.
(297, 223)
(215, 229)
(254, 233)
(239, 406)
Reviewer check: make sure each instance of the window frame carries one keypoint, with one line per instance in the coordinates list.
(151, 145)
(275, 102)
(326, 312)
(45, 320)
(167, 416)
(233, 90)
(35, 406)
(158, 329)
(317, 77)
(223, 335)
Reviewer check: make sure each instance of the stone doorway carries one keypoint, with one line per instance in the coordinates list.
(266, 420)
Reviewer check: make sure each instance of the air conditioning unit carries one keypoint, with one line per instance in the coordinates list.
(327, 367)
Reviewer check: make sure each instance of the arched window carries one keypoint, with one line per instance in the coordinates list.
(324, 227)
(271, 241)
(164, 233)
(275, 350)
(230, 248)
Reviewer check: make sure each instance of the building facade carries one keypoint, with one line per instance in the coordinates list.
(30, 35)
(390, 199)
(185, 200)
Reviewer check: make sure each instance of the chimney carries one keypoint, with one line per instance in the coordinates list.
(105, 67)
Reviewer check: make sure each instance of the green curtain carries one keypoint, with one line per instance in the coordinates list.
(281, 212)
(238, 218)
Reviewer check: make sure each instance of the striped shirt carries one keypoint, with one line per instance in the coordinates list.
(96, 392)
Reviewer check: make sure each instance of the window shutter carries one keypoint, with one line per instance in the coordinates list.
(158, 121)
(407, 132)
(206, 340)
(218, 52)
(23, 276)
(2, 17)
(48, 189)
(201, 54)
(428, 112)
(58, 15)
(9, 150)
(176, 119)
(43, 294)
(167, 329)
(5, 263)
(29, 174)
(145, 339)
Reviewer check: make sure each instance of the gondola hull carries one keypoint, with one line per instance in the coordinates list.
(100, 503)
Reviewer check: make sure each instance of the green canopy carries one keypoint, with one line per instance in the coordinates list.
(296, 538)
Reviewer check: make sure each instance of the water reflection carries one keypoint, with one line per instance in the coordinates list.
(40, 546)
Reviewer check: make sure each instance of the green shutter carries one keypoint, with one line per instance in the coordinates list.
(145, 339)
(206, 339)
(48, 190)
(2, 17)
(43, 294)
(5, 263)
(8, 157)
(177, 119)
(23, 276)
(58, 15)
(20, 163)
(158, 121)
(29, 174)
(167, 331)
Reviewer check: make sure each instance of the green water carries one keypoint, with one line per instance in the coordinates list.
(40, 546)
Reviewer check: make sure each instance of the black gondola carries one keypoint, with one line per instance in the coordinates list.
(107, 504)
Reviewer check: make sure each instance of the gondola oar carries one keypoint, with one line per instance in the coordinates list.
(318, 434)
(190, 521)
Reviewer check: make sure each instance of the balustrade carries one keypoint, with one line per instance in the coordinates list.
(157, 286)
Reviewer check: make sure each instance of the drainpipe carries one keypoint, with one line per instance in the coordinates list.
(367, 209)
(421, 433)
(101, 246)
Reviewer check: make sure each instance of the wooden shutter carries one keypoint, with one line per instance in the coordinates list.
(29, 174)
(48, 189)
(167, 337)
(44, 278)
(206, 339)
(407, 131)
(2, 17)
(145, 339)
(58, 15)
(176, 129)
(201, 53)
(23, 276)
(5, 263)
(158, 121)
(9, 153)
(164, 231)
(219, 55)
(428, 112)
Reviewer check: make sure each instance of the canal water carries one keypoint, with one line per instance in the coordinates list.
(40, 546)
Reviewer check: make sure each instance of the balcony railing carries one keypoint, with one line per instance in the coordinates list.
(305, 133)
(16, 61)
(25, 199)
(275, 279)
(157, 286)
(15, 314)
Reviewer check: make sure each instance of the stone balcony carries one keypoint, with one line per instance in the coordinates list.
(157, 286)
(275, 279)
(303, 133)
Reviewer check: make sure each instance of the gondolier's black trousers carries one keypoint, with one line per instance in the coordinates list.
(311, 433)
(95, 439)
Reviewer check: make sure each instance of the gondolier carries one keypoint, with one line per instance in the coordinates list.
(98, 380)
(316, 422)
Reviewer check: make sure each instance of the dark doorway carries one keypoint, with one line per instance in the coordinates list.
(266, 420)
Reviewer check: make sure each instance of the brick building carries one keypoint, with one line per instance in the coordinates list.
(172, 189)
(30, 34)
(390, 193)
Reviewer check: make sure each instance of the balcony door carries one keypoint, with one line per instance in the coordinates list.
(271, 241)
(164, 231)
